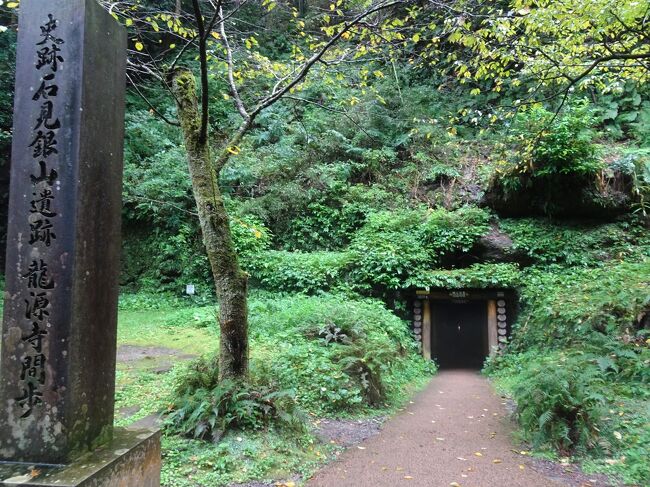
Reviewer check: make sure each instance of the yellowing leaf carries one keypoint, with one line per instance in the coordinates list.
(215, 35)
(12, 4)
(129, 22)
(139, 46)
(234, 150)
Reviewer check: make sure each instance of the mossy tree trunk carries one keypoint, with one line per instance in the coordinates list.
(230, 281)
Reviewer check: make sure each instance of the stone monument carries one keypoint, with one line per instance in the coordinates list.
(58, 347)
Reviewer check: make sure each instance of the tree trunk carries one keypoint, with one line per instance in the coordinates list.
(230, 281)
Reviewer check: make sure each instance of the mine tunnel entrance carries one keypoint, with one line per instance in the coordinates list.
(459, 339)
(460, 328)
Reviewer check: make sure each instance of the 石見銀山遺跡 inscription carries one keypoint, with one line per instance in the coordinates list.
(57, 354)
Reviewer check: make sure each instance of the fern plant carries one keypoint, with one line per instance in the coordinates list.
(204, 408)
(560, 403)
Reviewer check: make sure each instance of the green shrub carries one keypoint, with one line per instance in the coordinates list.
(250, 236)
(563, 307)
(298, 272)
(547, 242)
(371, 366)
(636, 165)
(395, 246)
(388, 249)
(560, 402)
(448, 232)
(479, 276)
(577, 364)
(549, 164)
(204, 408)
(549, 146)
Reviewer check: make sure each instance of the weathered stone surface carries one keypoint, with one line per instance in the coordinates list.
(131, 459)
(57, 356)
(497, 246)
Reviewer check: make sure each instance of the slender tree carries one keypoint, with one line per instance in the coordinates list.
(208, 30)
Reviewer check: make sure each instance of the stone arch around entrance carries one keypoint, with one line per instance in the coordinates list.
(461, 327)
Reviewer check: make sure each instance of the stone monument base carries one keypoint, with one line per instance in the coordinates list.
(132, 459)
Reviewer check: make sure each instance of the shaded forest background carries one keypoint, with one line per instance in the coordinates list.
(385, 174)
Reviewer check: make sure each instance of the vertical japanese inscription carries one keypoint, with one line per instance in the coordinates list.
(42, 217)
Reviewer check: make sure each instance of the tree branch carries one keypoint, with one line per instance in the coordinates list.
(333, 110)
(203, 57)
(231, 79)
(153, 108)
(271, 99)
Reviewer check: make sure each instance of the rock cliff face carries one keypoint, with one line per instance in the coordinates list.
(497, 246)
(566, 197)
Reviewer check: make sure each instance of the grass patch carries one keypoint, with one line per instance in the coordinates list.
(290, 349)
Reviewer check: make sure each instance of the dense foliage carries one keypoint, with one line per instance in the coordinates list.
(467, 126)
(578, 364)
(322, 355)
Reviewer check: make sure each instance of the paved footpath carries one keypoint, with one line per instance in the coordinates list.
(454, 433)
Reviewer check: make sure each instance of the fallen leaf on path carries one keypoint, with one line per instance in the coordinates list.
(461, 458)
(478, 454)
(440, 439)
(408, 477)
(361, 447)
(497, 460)
(521, 467)
(454, 484)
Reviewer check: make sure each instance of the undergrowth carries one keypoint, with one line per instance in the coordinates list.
(578, 366)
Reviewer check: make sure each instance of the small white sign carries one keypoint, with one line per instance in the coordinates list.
(190, 290)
